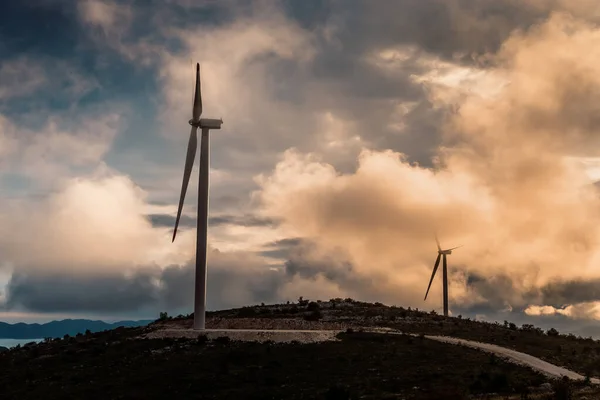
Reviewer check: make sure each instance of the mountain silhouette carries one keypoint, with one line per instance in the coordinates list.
(56, 329)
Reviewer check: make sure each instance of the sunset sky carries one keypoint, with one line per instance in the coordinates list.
(353, 131)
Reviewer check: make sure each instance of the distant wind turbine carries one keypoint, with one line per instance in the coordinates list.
(202, 218)
(441, 253)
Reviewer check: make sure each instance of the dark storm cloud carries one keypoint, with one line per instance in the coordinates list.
(355, 90)
(500, 290)
(165, 220)
(559, 293)
(242, 220)
(455, 30)
(305, 263)
(444, 27)
(496, 291)
(62, 292)
(233, 281)
(281, 249)
(168, 221)
(148, 288)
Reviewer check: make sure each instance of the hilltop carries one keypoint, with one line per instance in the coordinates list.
(118, 364)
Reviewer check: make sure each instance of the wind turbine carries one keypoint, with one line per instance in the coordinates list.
(441, 254)
(205, 124)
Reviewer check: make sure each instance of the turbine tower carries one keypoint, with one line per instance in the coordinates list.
(205, 124)
(441, 254)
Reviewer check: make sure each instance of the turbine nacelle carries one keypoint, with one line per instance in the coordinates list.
(447, 251)
(207, 123)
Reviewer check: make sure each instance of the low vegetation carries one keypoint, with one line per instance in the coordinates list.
(117, 364)
(576, 353)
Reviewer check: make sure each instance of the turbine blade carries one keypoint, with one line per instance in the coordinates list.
(197, 110)
(437, 242)
(456, 247)
(187, 171)
(435, 267)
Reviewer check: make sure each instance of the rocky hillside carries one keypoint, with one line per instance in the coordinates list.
(117, 364)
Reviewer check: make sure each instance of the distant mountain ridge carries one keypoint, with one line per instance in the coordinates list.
(54, 329)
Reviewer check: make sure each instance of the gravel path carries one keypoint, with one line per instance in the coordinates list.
(249, 333)
(516, 357)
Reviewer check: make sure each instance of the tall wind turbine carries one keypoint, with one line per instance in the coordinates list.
(205, 124)
(441, 254)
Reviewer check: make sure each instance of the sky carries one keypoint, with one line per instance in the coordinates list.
(353, 131)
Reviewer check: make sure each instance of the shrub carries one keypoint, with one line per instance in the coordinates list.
(314, 316)
(163, 316)
(202, 339)
(552, 332)
(312, 306)
(562, 389)
(247, 312)
(222, 340)
(302, 301)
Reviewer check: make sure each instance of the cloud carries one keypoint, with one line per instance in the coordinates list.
(235, 279)
(86, 222)
(35, 77)
(329, 108)
(50, 153)
(502, 185)
(109, 16)
(589, 311)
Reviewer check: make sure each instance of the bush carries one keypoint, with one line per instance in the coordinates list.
(202, 339)
(312, 306)
(247, 312)
(302, 301)
(314, 316)
(294, 310)
(222, 340)
(552, 332)
(563, 389)
(163, 316)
